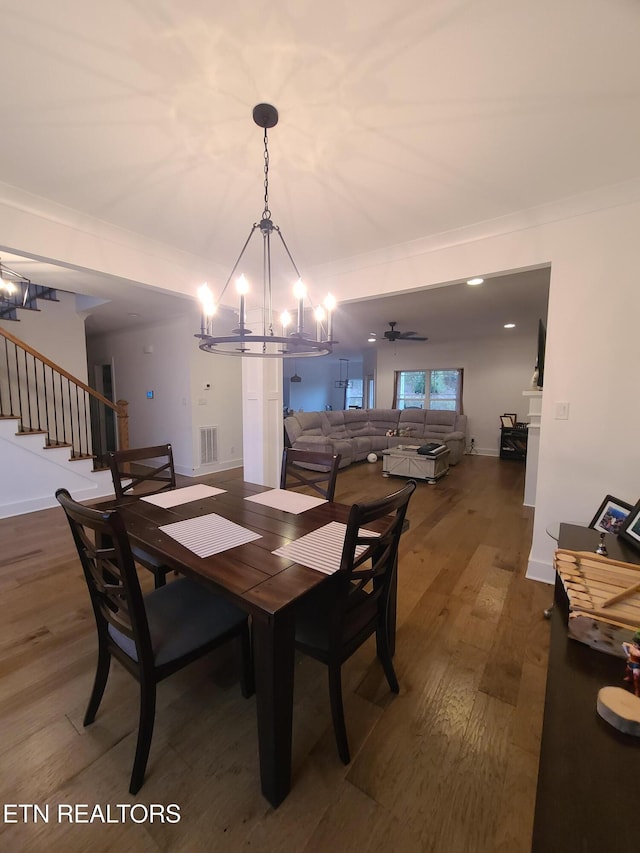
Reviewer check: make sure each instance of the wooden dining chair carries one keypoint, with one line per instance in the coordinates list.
(139, 472)
(354, 604)
(311, 469)
(151, 635)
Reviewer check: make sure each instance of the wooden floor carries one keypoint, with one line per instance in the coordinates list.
(449, 765)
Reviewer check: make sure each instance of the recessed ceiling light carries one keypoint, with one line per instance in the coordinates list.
(474, 281)
(132, 314)
(509, 325)
(371, 340)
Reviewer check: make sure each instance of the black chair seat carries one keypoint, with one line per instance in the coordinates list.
(313, 620)
(182, 617)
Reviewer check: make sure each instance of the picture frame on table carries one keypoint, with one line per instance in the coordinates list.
(630, 530)
(514, 418)
(506, 421)
(611, 515)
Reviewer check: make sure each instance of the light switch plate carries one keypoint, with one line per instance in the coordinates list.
(562, 411)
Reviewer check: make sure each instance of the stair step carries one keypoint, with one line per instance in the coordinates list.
(32, 432)
(55, 445)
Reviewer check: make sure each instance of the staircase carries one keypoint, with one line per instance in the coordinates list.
(33, 470)
(24, 295)
(51, 425)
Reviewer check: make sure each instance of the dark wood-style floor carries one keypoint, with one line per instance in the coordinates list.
(449, 765)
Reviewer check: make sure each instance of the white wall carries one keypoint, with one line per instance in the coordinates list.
(176, 371)
(496, 372)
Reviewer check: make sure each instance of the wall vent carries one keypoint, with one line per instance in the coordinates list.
(208, 445)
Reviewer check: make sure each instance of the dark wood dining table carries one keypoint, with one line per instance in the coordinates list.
(264, 585)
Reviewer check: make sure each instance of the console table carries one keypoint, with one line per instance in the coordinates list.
(588, 798)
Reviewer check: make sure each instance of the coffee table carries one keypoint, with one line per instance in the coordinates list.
(405, 461)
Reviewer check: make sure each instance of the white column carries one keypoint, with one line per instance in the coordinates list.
(262, 422)
(533, 446)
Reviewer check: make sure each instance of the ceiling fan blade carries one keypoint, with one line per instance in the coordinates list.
(410, 336)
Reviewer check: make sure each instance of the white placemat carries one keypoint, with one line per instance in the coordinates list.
(175, 497)
(322, 549)
(209, 534)
(285, 500)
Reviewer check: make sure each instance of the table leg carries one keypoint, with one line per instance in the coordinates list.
(273, 651)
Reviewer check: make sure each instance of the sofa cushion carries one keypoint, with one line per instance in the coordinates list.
(309, 421)
(333, 424)
(382, 420)
(441, 417)
(293, 428)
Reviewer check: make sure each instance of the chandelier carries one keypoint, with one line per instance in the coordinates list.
(265, 343)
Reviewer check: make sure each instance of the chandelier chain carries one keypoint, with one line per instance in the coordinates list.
(266, 214)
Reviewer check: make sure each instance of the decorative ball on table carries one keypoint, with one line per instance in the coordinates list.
(372, 457)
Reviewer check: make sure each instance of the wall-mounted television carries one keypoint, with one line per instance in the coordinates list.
(542, 341)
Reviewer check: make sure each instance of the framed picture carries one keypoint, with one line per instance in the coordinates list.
(506, 421)
(630, 530)
(514, 418)
(611, 515)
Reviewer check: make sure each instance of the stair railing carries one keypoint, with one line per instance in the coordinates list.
(48, 399)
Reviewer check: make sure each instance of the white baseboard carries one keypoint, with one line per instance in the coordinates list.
(49, 501)
(539, 571)
(213, 468)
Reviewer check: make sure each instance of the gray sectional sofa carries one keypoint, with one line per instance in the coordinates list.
(355, 433)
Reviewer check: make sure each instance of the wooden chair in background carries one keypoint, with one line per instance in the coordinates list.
(138, 472)
(319, 473)
(151, 635)
(354, 604)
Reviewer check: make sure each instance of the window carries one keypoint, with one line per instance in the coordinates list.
(428, 389)
(353, 395)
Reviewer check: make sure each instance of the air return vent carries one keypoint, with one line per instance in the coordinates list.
(208, 445)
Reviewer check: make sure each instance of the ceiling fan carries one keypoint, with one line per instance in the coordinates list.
(393, 335)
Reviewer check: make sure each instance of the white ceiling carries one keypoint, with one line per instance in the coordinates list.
(397, 121)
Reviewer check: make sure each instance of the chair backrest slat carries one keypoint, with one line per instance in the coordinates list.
(142, 470)
(310, 469)
(380, 552)
(110, 573)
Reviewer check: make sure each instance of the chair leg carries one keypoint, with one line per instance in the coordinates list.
(160, 578)
(145, 733)
(247, 683)
(337, 712)
(99, 683)
(384, 655)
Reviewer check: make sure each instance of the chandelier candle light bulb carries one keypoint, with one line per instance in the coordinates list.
(300, 291)
(242, 288)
